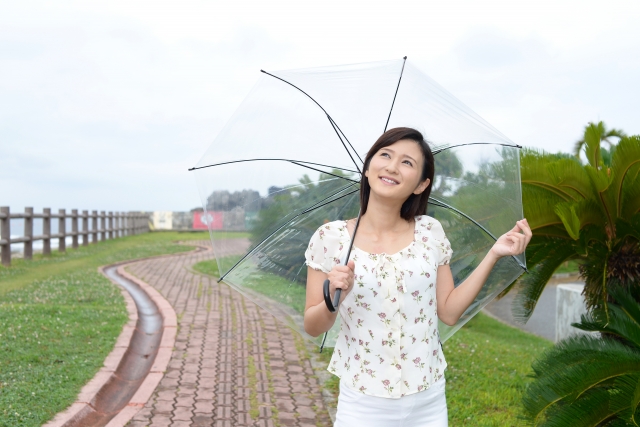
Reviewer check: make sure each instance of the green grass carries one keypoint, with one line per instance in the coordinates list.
(488, 364)
(59, 318)
(267, 284)
(568, 267)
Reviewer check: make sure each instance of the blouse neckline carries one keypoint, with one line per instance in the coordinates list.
(415, 228)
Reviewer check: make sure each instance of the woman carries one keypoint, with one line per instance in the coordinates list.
(395, 286)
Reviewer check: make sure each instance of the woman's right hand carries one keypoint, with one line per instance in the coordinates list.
(341, 277)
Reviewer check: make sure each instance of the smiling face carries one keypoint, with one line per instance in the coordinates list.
(395, 171)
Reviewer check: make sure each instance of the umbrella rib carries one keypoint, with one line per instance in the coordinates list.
(438, 150)
(326, 173)
(297, 162)
(335, 126)
(313, 208)
(287, 223)
(445, 205)
(338, 131)
(395, 94)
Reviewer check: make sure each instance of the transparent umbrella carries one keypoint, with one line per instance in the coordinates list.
(290, 159)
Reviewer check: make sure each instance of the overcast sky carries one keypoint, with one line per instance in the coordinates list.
(105, 105)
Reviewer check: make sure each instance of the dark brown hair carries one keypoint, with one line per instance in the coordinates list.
(416, 204)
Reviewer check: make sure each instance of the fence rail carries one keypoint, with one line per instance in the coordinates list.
(110, 225)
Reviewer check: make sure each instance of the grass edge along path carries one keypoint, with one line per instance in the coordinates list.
(59, 319)
(488, 364)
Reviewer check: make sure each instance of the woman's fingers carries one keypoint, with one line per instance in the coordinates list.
(341, 277)
(352, 265)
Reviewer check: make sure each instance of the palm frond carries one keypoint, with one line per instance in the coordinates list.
(601, 182)
(574, 368)
(590, 235)
(619, 322)
(631, 198)
(590, 411)
(625, 398)
(534, 172)
(539, 248)
(582, 350)
(567, 213)
(630, 228)
(539, 208)
(625, 158)
(577, 148)
(593, 134)
(570, 175)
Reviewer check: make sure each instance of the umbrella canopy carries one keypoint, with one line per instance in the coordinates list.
(290, 159)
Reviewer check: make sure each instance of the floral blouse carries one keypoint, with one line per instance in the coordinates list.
(388, 345)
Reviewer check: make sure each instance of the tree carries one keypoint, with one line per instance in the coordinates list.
(303, 206)
(589, 213)
(590, 381)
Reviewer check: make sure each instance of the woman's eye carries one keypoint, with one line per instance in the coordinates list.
(408, 162)
(385, 154)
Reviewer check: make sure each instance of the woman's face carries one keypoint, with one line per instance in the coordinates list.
(395, 170)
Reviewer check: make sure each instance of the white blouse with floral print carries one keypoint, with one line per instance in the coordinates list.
(388, 344)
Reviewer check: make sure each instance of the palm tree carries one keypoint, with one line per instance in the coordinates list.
(589, 213)
(605, 136)
(589, 381)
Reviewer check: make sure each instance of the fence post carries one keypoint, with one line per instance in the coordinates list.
(62, 230)
(5, 234)
(110, 225)
(74, 228)
(103, 234)
(119, 224)
(28, 233)
(127, 223)
(94, 224)
(85, 228)
(46, 231)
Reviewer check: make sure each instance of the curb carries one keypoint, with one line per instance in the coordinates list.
(111, 362)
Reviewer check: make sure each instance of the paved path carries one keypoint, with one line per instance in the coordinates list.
(233, 364)
(543, 320)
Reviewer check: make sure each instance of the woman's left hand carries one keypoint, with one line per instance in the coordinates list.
(513, 242)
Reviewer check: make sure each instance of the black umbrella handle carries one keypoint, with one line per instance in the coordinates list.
(333, 306)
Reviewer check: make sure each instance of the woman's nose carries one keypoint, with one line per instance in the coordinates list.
(392, 167)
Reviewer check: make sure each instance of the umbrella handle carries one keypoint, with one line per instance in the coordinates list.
(332, 306)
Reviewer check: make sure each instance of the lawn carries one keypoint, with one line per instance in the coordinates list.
(59, 319)
(568, 267)
(488, 361)
(270, 285)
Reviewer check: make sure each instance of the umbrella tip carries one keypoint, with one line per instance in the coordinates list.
(262, 71)
(405, 57)
(190, 169)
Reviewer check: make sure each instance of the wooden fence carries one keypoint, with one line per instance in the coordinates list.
(104, 225)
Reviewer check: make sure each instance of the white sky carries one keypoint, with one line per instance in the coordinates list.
(105, 105)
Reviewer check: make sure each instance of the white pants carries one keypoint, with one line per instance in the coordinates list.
(423, 409)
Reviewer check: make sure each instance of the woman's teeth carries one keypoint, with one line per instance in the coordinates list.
(388, 181)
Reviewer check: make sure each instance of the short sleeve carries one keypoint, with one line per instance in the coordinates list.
(442, 245)
(317, 253)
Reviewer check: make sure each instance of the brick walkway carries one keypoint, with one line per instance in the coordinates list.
(233, 363)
